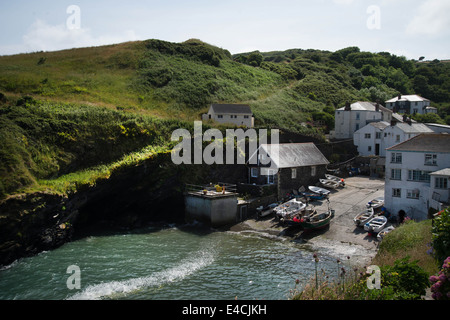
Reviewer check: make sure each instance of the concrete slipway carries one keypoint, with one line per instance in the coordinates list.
(342, 238)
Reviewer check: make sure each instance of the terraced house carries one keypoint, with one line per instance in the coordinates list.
(417, 176)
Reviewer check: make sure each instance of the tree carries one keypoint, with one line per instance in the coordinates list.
(420, 85)
(254, 59)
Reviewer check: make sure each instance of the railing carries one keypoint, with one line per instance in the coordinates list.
(212, 190)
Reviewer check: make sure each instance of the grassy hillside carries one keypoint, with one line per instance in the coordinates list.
(64, 113)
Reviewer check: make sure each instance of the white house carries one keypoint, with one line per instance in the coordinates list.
(353, 117)
(237, 114)
(410, 166)
(374, 138)
(410, 104)
(370, 139)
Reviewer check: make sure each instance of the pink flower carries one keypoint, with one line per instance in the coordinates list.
(433, 279)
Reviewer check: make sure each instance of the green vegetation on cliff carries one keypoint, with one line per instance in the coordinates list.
(69, 116)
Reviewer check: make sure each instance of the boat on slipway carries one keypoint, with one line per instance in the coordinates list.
(320, 191)
(376, 224)
(289, 209)
(384, 232)
(340, 181)
(329, 183)
(362, 218)
(309, 219)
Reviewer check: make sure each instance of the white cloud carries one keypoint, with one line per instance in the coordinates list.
(432, 18)
(45, 37)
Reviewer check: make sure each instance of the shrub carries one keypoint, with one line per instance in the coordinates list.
(441, 283)
(441, 235)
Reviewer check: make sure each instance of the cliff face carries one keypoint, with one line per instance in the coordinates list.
(31, 223)
(129, 198)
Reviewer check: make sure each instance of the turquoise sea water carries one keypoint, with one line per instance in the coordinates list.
(174, 263)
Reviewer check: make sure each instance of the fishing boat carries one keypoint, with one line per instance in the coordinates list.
(318, 190)
(340, 181)
(376, 224)
(289, 208)
(296, 219)
(362, 218)
(310, 219)
(377, 202)
(317, 220)
(384, 232)
(329, 183)
(313, 195)
(265, 211)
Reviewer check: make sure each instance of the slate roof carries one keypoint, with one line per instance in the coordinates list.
(364, 105)
(425, 142)
(231, 108)
(411, 97)
(413, 127)
(291, 155)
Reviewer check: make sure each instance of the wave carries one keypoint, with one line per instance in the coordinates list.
(114, 289)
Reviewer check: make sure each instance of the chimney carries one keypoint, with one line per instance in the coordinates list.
(377, 107)
(347, 106)
(408, 121)
(405, 118)
(393, 122)
(399, 96)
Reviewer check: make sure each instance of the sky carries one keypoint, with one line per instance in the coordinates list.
(410, 28)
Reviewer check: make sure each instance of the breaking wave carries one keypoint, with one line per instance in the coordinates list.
(115, 289)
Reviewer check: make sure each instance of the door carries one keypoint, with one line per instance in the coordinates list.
(377, 149)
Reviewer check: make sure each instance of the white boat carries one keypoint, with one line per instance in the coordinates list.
(340, 181)
(377, 202)
(319, 190)
(363, 217)
(376, 224)
(384, 232)
(329, 183)
(289, 208)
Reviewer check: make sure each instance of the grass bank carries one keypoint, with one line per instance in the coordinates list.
(405, 261)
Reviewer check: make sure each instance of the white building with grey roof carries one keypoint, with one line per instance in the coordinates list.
(417, 175)
(354, 116)
(410, 104)
(374, 138)
(234, 114)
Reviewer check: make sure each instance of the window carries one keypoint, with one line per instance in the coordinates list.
(396, 157)
(418, 175)
(413, 194)
(293, 173)
(378, 135)
(396, 174)
(430, 159)
(245, 117)
(357, 116)
(367, 136)
(440, 183)
(369, 148)
(397, 192)
(254, 172)
(313, 171)
(220, 116)
(357, 127)
(270, 176)
(397, 138)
